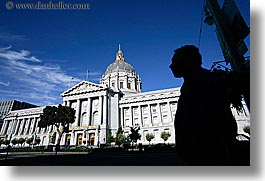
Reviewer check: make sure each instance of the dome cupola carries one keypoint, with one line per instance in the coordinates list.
(119, 65)
(121, 75)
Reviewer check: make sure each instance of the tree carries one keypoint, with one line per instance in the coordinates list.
(21, 141)
(110, 139)
(165, 135)
(247, 129)
(134, 136)
(14, 141)
(29, 141)
(149, 137)
(120, 137)
(60, 117)
(6, 142)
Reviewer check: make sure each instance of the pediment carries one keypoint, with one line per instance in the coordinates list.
(83, 87)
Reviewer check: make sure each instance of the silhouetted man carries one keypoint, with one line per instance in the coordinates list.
(205, 128)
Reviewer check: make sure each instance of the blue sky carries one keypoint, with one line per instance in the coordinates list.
(41, 49)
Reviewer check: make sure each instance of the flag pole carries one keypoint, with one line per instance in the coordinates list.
(87, 72)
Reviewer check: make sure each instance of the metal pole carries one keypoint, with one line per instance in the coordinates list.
(229, 45)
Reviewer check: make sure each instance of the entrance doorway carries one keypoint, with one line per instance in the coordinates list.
(67, 139)
(79, 139)
(91, 138)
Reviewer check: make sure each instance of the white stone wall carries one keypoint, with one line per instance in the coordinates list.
(153, 111)
(101, 112)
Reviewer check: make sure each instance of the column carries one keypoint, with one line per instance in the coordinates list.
(117, 81)
(68, 103)
(37, 128)
(138, 84)
(88, 111)
(126, 82)
(9, 127)
(104, 122)
(34, 125)
(3, 128)
(141, 116)
(50, 128)
(77, 112)
(170, 113)
(17, 126)
(122, 118)
(22, 127)
(100, 109)
(131, 116)
(72, 141)
(29, 123)
(14, 126)
(159, 114)
(149, 114)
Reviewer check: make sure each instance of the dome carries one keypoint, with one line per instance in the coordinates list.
(121, 76)
(119, 65)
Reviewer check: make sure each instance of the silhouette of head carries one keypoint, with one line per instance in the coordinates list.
(186, 59)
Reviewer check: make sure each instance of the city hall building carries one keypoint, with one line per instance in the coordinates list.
(117, 101)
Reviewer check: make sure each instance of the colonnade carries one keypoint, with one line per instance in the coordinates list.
(145, 115)
(89, 109)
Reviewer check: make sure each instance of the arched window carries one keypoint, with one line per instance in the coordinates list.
(83, 119)
(95, 119)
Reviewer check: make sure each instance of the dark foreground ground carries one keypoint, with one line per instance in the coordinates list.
(93, 159)
(128, 158)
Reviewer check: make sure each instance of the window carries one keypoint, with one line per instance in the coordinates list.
(155, 120)
(113, 84)
(129, 85)
(146, 121)
(95, 120)
(144, 108)
(127, 123)
(136, 121)
(121, 85)
(163, 107)
(83, 119)
(135, 111)
(165, 118)
(126, 112)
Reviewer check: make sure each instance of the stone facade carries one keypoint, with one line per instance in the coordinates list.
(117, 101)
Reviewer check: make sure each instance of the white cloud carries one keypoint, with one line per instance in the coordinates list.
(33, 79)
(5, 83)
(6, 53)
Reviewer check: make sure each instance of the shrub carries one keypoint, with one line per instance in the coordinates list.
(247, 129)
